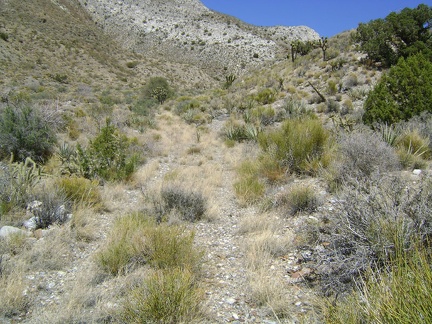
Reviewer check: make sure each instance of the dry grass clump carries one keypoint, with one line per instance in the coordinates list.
(81, 191)
(137, 240)
(166, 296)
(299, 198)
(249, 188)
(14, 299)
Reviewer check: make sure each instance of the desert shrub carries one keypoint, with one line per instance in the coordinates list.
(333, 106)
(189, 204)
(263, 115)
(413, 149)
(54, 208)
(25, 133)
(132, 64)
(398, 294)
(294, 107)
(363, 152)
(158, 88)
(350, 81)
(170, 296)
(332, 87)
(248, 187)
(296, 145)
(81, 190)
(266, 96)
(106, 157)
(371, 218)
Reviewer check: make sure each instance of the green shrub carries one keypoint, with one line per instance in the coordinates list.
(158, 88)
(132, 64)
(404, 92)
(297, 144)
(190, 205)
(400, 34)
(170, 296)
(264, 115)
(4, 36)
(106, 156)
(25, 133)
(265, 96)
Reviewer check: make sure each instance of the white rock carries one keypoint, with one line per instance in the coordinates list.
(30, 223)
(417, 171)
(6, 231)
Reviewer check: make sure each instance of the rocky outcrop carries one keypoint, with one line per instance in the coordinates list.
(188, 32)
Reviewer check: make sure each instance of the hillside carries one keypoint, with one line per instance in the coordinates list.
(185, 179)
(187, 31)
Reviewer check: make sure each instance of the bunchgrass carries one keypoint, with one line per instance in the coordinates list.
(399, 294)
(167, 296)
(136, 239)
(249, 188)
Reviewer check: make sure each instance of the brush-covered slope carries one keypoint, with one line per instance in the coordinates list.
(50, 45)
(187, 31)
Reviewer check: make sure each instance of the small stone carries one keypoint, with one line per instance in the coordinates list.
(235, 316)
(231, 301)
(298, 304)
(417, 172)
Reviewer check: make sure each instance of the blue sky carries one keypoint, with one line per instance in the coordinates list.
(327, 17)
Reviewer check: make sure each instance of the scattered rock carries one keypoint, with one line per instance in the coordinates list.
(6, 231)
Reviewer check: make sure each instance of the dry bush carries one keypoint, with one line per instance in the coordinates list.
(191, 205)
(371, 218)
(362, 153)
(249, 188)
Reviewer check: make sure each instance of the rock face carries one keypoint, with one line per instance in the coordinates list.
(188, 32)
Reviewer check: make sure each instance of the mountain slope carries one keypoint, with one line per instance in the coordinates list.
(51, 44)
(187, 31)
